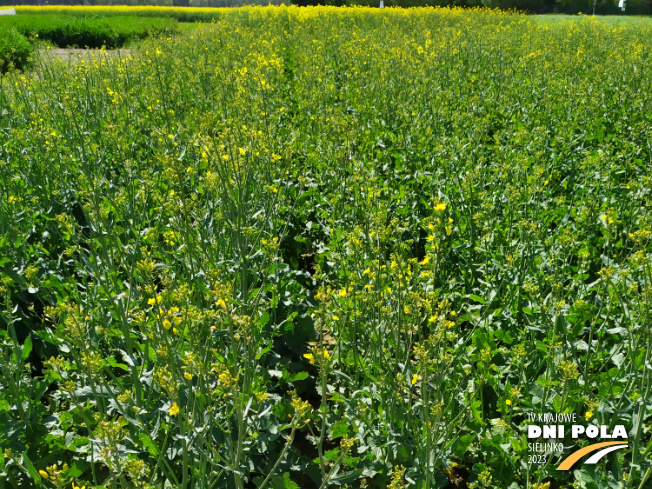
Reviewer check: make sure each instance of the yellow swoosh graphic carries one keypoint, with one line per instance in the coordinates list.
(575, 456)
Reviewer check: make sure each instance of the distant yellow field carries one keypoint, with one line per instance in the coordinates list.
(210, 12)
(119, 10)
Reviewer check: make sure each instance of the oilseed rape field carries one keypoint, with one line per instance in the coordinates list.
(330, 247)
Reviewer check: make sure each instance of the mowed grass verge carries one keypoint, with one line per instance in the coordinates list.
(92, 32)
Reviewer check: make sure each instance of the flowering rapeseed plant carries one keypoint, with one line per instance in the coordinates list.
(384, 222)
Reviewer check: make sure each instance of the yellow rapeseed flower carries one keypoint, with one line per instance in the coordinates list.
(310, 357)
(415, 379)
(43, 474)
(174, 409)
(441, 207)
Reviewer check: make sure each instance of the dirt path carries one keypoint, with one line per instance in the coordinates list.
(76, 55)
(68, 56)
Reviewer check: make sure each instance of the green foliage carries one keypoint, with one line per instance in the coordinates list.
(527, 5)
(319, 247)
(92, 32)
(14, 50)
(181, 14)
